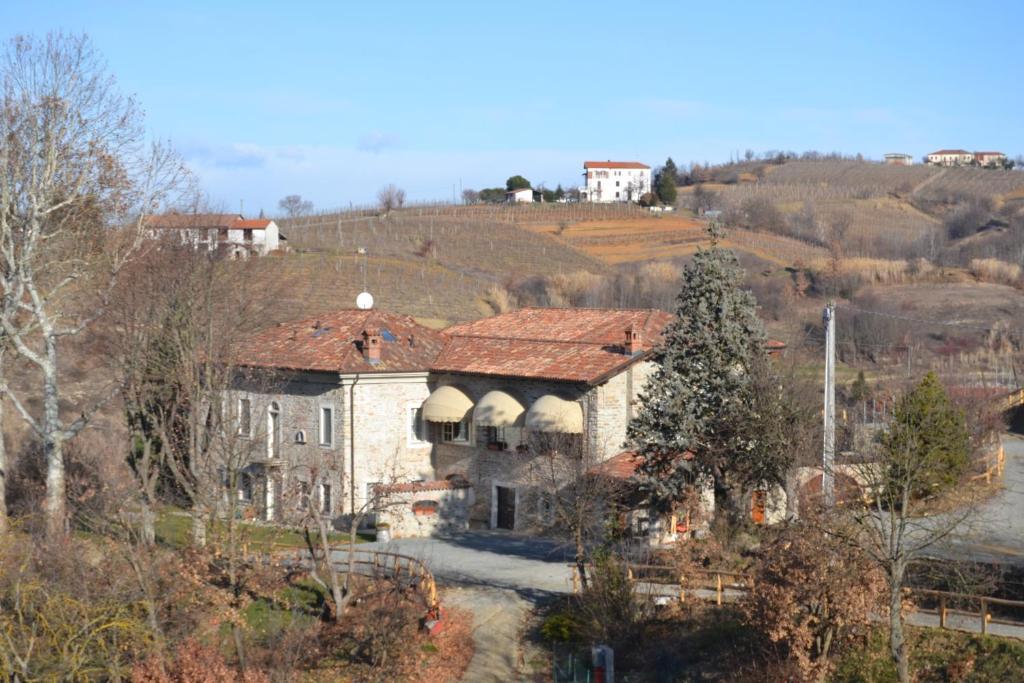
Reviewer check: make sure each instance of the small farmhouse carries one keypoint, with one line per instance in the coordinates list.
(615, 181)
(235, 236)
(524, 194)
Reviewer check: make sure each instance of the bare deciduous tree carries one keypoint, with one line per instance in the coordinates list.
(295, 206)
(573, 498)
(390, 198)
(76, 183)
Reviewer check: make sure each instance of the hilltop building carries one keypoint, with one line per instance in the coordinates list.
(615, 181)
(234, 235)
(899, 159)
(961, 157)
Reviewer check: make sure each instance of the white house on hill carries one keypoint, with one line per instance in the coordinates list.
(237, 236)
(524, 194)
(615, 181)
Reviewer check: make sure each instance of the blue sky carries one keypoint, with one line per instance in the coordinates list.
(334, 100)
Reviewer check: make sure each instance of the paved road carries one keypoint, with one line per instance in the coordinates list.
(499, 577)
(996, 531)
(533, 567)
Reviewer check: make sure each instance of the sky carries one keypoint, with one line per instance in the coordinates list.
(334, 100)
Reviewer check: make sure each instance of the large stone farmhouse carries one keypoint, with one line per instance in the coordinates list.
(369, 410)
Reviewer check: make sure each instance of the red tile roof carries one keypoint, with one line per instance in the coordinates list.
(623, 465)
(950, 151)
(573, 345)
(252, 224)
(421, 486)
(614, 164)
(207, 221)
(333, 343)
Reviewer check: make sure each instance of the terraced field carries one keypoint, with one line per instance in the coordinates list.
(663, 237)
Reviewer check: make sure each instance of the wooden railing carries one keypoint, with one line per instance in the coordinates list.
(716, 584)
(996, 464)
(374, 563)
(944, 599)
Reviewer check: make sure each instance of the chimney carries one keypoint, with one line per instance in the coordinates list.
(634, 341)
(372, 345)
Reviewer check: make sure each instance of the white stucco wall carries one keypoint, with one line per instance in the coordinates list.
(630, 184)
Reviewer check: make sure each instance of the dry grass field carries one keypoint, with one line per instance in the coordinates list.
(665, 237)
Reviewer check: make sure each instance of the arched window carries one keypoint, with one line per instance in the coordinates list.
(273, 430)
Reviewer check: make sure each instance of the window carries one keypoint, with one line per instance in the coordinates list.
(325, 498)
(616, 195)
(245, 487)
(616, 183)
(416, 435)
(455, 432)
(247, 235)
(245, 417)
(303, 495)
(494, 438)
(326, 426)
(273, 430)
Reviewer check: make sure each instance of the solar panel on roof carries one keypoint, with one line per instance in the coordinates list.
(386, 334)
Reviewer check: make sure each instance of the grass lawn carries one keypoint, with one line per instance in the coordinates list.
(936, 656)
(174, 528)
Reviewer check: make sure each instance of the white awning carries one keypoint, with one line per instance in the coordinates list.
(498, 409)
(552, 414)
(446, 404)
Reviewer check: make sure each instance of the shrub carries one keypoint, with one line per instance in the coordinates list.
(560, 628)
(995, 270)
(814, 594)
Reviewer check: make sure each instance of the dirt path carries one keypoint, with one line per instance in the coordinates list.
(927, 181)
(499, 616)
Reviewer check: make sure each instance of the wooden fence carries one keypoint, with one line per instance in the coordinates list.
(720, 586)
(996, 462)
(402, 569)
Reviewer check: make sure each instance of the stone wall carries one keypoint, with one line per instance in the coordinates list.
(386, 449)
(427, 508)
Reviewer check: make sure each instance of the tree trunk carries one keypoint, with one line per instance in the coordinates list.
(53, 445)
(198, 528)
(897, 644)
(147, 531)
(3, 474)
(332, 571)
(581, 559)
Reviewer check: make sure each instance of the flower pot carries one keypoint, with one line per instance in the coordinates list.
(383, 534)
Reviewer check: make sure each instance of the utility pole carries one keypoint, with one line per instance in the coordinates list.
(829, 452)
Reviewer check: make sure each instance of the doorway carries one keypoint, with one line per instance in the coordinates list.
(506, 507)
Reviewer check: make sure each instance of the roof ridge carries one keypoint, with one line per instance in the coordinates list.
(533, 340)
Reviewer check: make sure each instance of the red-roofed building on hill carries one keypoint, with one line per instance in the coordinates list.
(615, 181)
(230, 233)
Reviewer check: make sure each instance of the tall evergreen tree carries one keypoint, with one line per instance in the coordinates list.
(927, 442)
(665, 186)
(700, 396)
(670, 170)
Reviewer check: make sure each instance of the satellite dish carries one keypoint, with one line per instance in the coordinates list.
(364, 301)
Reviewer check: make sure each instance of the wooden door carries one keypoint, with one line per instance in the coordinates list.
(757, 501)
(506, 508)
